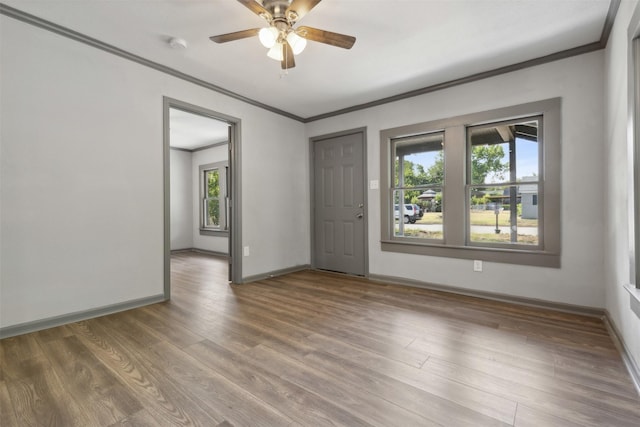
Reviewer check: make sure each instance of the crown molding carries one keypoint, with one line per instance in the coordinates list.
(74, 35)
(82, 38)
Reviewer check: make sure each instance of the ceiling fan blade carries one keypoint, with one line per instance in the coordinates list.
(301, 7)
(256, 8)
(229, 37)
(287, 56)
(327, 37)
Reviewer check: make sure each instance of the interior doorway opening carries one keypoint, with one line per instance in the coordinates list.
(200, 185)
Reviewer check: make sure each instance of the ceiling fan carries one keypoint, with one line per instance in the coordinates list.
(282, 40)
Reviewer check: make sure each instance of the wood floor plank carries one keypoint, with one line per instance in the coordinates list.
(165, 402)
(41, 398)
(391, 347)
(7, 414)
(423, 403)
(162, 328)
(15, 350)
(206, 389)
(315, 348)
(360, 402)
(235, 404)
(89, 382)
(575, 406)
(485, 403)
(528, 417)
(305, 407)
(142, 418)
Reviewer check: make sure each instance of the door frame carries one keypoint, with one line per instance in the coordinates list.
(312, 157)
(235, 234)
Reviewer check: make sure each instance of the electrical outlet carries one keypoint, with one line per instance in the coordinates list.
(477, 265)
(245, 251)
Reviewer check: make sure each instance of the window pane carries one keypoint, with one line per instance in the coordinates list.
(494, 147)
(504, 214)
(213, 183)
(419, 160)
(212, 214)
(527, 150)
(421, 220)
(489, 156)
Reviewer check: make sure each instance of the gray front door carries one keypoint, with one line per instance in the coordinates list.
(339, 203)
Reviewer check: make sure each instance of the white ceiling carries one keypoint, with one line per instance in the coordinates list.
(190, 131)
(402, 45)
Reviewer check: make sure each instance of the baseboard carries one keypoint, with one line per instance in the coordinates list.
(275, 273)
(200, 251)
(632, 367)
(531, 302)
(38, 325)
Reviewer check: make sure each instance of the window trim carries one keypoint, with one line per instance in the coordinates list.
(634, 206)
(454, 188)
(223, 228)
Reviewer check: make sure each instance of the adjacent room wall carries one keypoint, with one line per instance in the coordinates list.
(618, 169)
(185, 200)
(81, 177)
(578, 80)
(182, 224)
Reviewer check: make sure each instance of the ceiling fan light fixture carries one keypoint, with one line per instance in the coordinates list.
(276, 52)
(296, 42)
(268, 36)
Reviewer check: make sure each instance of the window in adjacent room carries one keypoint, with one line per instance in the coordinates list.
(213, 189)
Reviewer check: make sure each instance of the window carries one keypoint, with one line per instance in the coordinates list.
(502, 181)
(213, 194)
(417, 185)
(480, 186)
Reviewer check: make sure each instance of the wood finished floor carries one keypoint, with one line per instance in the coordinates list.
(313, 349)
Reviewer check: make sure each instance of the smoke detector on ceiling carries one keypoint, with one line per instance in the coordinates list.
(177, 43)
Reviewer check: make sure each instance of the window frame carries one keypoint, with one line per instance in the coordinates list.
(454, 204)
(403, 188)
(634, 206)
(223, 198)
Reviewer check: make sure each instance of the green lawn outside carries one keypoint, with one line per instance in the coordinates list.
(480, 218)
(475, 237)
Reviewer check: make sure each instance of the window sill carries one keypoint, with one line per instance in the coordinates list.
(634, 302)
(218, 233)
(633, 291)
(499, 255)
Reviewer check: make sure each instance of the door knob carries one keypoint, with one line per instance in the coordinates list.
(359, 215)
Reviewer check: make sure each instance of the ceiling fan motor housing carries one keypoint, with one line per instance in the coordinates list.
(278, 10)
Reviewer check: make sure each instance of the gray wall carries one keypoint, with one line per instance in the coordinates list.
(617, 141)
(185, 200)
(81, 177)
(182, 224)
(578, 80)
